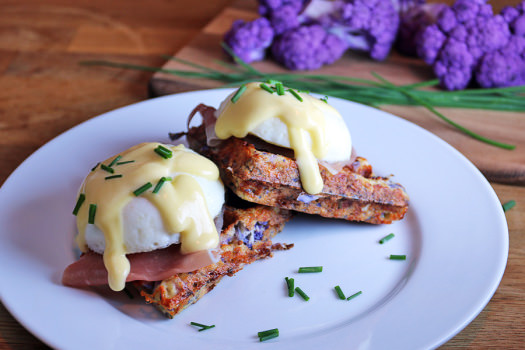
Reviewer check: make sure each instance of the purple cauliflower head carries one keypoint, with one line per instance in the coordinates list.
(307, 47)
(249, 40)
(282, 14)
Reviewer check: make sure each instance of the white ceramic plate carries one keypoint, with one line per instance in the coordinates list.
(454, 235)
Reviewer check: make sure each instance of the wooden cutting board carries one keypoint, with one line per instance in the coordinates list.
(496, 164)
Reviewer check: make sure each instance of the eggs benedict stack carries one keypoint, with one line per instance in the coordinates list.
(283, 148)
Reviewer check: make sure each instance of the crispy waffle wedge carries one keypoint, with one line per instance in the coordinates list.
(245, 237)
(272, 178)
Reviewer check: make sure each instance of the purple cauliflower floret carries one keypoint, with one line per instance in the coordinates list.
(282, 14)
(459, 39)
(249, 40)
(307, 47)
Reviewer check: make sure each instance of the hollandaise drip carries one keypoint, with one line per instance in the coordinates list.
(181, 202)
(304, 121)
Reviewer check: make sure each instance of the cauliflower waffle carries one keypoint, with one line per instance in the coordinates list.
(245, 238)
(272, 179)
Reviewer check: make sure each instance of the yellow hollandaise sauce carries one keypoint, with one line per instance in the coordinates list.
(146, 170)
(302, 114)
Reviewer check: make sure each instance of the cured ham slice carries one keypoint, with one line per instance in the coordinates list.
(157, 265)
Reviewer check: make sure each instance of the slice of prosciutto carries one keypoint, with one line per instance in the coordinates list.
(89, 269)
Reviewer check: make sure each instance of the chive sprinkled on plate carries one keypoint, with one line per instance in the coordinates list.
(290, 284)
(161, 182)
(238, 94)
(324, 99)
(310, 269)
(354, 295)
(113, 177)
(203, 327)
(295, 94)
(397, 257)
(80, 200)
(386, 238)
(93, 169)
(125, 162)
(302, 294)
(142, 189)
(266, 88)
(269, 334)
(114, 161)
(107, 168)
(163, 152)
(509, 205)
(340, 292)
(92, 212)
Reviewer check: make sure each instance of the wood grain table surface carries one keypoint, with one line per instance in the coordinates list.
(44, 92)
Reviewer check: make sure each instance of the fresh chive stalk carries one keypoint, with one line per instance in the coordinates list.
(266, 88)
(80, 200)
(238, 94)
(164, 152)
(386, 238)
(397, 257)
(114, 161)
(310, 269)
(125, 162)
(340, 293)
(142, 189)
(295, 94)
(161, 182)
(354, 295)
(107, 168)
(302, 294)
(113, 177)
(92, 212)
(290, 284)
(509, 205)
(269, 334)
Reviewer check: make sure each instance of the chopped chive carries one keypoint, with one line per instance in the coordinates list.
(266, 87)
(354, 295)
(93, 169)
(80, 200)
(238, 94)
(106, 168)
(160, 183)
(290, 284)
(386, 238)
(310, 269)
(340, 292)
(163, 152)
(113, 177)
(202, 326)
(269, 334)
(114, 161)
(92, 212)
(279, 88)
(126, 162)
(509, 205)
(324, 99)
(398, 257)
(142, 189)
(272, 81)
(301, 293)
(295, 94)
(128, 293)
(207, 327)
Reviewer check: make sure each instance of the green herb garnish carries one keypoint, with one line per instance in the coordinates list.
(93, 169)
(295, 94)
(203, 327)
(125, 162)
(266, 88)
(509, 205)
(386, 238)
(238, 94)
(161, 182)
(290, 285)
(324, 99)
(142, 189)
(106, 168)
(340, 292)
(164, 152)
(310, 269)
(354, 295)
(80, 200)
(114, 161)
(398, 257)
(279, 88)
(269, 334)
(113, 177)
(92, 212)
(302, 294)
